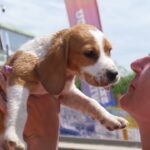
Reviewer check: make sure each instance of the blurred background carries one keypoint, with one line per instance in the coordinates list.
(125, 23)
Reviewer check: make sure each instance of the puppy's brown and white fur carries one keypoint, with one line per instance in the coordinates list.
(50, 64)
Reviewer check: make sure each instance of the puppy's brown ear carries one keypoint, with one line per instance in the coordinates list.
(52, 69)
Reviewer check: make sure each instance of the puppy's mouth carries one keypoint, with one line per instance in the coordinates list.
(107, 87)
(98, 82)
(106, 80)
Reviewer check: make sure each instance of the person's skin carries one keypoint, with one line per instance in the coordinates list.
(137, 99)
(42, 127)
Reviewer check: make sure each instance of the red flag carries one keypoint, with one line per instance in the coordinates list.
(83, 11)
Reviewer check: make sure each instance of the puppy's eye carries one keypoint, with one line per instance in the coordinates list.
(90, 54)
(108, 52)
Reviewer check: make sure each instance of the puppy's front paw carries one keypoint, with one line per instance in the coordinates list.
(112, 122)
(12, 141)
(13, 145)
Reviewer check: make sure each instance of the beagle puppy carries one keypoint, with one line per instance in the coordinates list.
(50, 64)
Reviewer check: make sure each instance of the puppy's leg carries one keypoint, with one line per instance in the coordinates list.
(17, 96)
(77, 100)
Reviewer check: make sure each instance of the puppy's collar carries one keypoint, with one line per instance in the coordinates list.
(7, 69)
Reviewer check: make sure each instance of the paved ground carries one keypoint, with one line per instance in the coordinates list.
(72, 143)
(75, 146)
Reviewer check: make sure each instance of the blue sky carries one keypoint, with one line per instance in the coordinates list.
(125, 22)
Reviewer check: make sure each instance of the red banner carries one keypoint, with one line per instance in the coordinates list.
(83, 11)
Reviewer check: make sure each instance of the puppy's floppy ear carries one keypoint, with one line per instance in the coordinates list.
(52, 69)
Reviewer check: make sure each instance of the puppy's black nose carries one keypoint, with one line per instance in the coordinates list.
(111, 75)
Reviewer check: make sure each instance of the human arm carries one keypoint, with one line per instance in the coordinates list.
(42, 127)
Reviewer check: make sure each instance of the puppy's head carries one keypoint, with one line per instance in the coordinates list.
(85, 51)
(89, 55)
